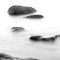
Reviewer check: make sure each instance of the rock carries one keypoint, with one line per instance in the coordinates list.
(45, 39)
(17, 29)
(20, 10)
(48, 39)
(5, 56)
(42, 39)
(35, 16)
(35, 38)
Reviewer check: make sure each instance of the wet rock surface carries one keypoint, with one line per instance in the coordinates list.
(35, 16)
(20, 10)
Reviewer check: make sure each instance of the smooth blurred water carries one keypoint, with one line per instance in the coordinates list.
(18, 44)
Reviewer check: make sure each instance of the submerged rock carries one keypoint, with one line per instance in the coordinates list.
(17, 29)
(20, 10)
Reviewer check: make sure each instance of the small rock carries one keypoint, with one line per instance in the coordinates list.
(20, 10)
(17, 29)
(35, 16)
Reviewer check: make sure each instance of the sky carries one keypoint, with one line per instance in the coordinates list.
(12, 42)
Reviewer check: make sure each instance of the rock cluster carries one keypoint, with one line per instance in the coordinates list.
(17, 10)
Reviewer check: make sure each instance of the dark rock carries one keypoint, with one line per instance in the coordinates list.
(40, 38)
(17, 29)
(20, 10)
(48, 39)
(45, 39)
(35, 38)
(5, 56)
(35, 16)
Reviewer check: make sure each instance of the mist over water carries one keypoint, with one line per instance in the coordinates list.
(18, 44)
